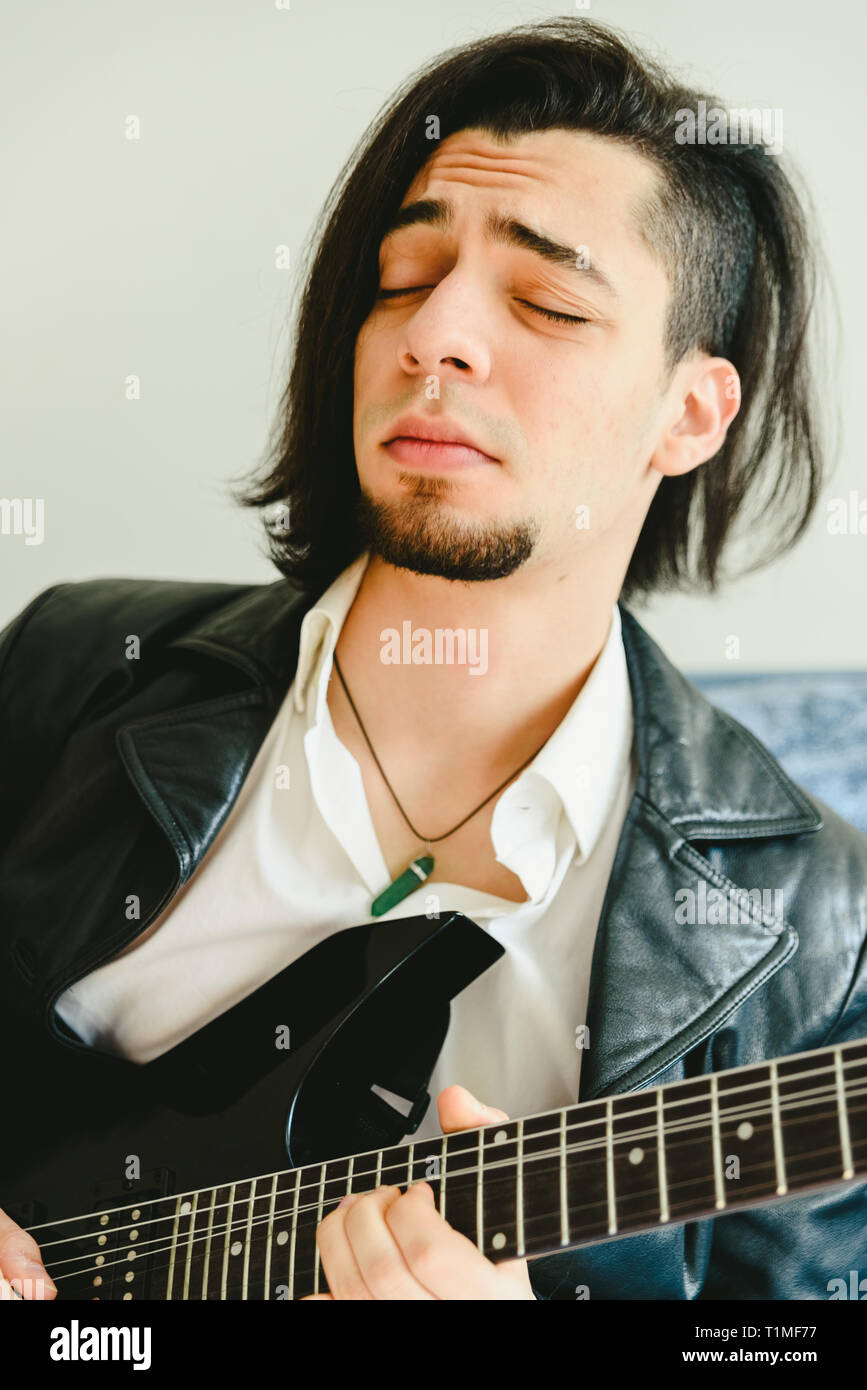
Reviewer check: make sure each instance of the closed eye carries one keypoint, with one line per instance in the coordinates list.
(553, 314)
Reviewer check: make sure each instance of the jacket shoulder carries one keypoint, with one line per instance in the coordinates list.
(72, 636)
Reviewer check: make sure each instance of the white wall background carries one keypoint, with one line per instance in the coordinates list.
(156, 257)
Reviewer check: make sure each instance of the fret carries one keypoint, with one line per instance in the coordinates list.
(173, 1249)
(364, 1172)
(782, 1184)
(188, 1262)
(843, 1116)
(425, 1164)
(609, 1166)
(855, 1071)
(634, 1160)
(719, 1189)
(461, 1157)
(688, 1149)
(239, 1219)
(269, 1239)
(664, 1212)
(208, 1239)
(747, 1134)
(304, 1253)
(480, 1193)
(294, 1234)
(811, 1118)
(589, 1177)
(349, 1176)
(317, 1266)
(227, 1238)
(245, 1273)
(443, 1161)
(538, 1195)
(519, 1185)
(564, 1199)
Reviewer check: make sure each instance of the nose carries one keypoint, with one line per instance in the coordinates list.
(446, 336)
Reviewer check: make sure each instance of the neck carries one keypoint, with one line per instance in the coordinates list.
(532, 638)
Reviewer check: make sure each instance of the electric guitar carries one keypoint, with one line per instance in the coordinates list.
(122, 1172)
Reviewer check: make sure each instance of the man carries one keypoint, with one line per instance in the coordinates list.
(547, 355)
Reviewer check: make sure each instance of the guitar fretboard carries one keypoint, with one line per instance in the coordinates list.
(523, 1188)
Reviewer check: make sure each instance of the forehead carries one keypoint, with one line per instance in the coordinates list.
(585, 189)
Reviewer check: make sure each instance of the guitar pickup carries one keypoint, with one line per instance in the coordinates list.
(412, 1111)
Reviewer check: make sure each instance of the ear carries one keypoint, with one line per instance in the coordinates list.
(705, 397)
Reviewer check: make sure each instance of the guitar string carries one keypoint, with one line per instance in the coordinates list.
(249, 1220)
(501, 1179)
(647, 1218)
(300, 1273)
(650, 1109)
(498, 1174)
(759, 1108)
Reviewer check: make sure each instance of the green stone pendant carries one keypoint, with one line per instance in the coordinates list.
(401, 888)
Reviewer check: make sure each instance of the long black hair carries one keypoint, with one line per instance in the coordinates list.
(726, 224)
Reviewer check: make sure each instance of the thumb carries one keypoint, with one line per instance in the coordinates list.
(458, 1109)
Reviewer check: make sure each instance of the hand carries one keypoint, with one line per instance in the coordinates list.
(21, 1270)
(391, 1245)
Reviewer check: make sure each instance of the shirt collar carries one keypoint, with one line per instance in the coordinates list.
(320, 629)
(582, 761)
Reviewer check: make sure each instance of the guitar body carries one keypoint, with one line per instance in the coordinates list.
(91, 1133)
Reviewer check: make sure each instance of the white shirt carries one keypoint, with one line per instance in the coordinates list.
(292, 864)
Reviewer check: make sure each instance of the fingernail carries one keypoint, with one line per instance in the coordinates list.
(37, 1274)
(6, 1290)
(491, 1110)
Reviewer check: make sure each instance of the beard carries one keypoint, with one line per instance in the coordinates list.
(415, 533)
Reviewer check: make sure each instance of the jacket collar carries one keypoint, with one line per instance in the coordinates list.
(702, 772)
(656, 988)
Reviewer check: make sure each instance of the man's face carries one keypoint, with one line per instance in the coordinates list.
(570, 411)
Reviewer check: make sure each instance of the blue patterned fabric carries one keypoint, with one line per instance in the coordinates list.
(815, 724)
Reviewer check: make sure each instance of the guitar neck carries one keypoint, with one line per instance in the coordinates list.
(526, 1188)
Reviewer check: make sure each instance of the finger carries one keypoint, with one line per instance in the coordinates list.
(7, 1293)
(458, 1109)
(442, 1261)
(21, 1264)
(359, 1254)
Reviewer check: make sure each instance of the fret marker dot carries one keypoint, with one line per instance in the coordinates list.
(129, 1276)
(499, 1241)
(97, 1281)
(636, 1155)
(745, 1130)
(136, 1214)
(282, 1237)
(100, 1240)
(103, 1221)
(133, 1235)
(131, 1255)
(236, 1247)
(500, 1137)
(100, 1260)
(126, 1297)
(186, 1208)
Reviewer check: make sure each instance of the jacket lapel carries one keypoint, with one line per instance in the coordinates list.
(657, 988)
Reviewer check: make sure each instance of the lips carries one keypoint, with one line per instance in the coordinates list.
(436, 430)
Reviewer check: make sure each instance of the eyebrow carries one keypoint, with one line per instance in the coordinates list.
(508, 231)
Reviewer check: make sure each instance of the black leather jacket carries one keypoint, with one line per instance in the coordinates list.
(115, 770)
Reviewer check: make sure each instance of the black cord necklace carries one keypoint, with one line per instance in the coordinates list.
(421, 867)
